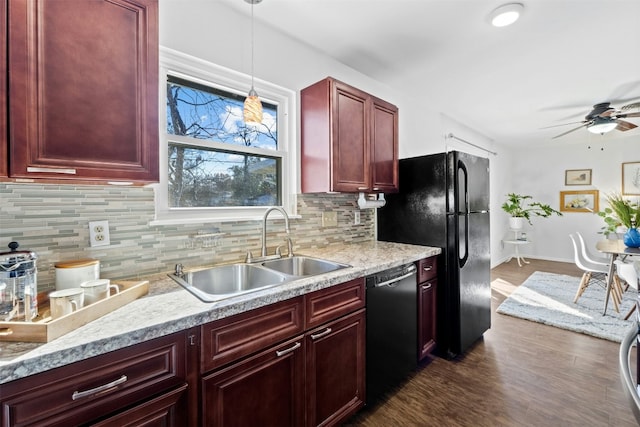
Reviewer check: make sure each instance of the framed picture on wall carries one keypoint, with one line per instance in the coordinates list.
(579, 201)
(577, 177)
(631, 178)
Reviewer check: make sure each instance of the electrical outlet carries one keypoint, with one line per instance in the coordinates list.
(99, 233)
(356, 217)
(329, 219)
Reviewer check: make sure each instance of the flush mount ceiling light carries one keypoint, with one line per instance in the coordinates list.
(602, 125)
(252, 111)
(506, 14)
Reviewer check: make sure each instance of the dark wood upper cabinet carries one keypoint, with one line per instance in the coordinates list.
(3, 90)
(83, 89)
(349, 140)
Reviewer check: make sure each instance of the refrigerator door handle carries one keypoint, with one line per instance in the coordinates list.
(462, 170)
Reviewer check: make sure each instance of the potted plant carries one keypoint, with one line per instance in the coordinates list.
(622, 213)
(522, 207)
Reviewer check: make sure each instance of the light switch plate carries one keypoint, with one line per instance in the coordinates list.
(99, 233)
(329, 219)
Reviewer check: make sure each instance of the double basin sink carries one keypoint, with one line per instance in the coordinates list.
(217, 283)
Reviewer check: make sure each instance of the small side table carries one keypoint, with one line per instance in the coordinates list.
(518, 240)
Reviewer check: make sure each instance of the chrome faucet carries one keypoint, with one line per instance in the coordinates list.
(286, 228)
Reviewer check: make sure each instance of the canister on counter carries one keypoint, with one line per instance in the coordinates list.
(70, 274)
(18, 284)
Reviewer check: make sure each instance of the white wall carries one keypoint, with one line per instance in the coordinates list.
(211, 31)
(540, 172)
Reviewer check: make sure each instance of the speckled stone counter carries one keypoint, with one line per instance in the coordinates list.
(169, 308)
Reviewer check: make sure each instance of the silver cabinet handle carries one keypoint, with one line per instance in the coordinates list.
(81, 394)
(427, 286)
(287, 350)
(363, 188)
(321, 334)
(429, 268)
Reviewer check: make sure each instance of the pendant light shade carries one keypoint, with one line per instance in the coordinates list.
(252, 111)
(252, 108)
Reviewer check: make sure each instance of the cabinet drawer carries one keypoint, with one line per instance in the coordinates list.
(226, 340)
(331, 303)
(168, 410)
(427, 269)
(96, 387)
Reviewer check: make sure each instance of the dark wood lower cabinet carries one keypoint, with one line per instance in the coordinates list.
(335, 370)
(162, 411)
(427, 317)
(266, 389)
(314, 378)
(147, 381)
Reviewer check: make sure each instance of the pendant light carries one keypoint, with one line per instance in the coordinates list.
(252, 105)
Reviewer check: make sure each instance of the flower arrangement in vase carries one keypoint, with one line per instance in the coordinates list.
(622, 212)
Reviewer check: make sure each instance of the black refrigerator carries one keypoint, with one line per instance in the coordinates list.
(444, 202)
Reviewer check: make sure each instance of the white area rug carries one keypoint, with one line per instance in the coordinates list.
(548, 298)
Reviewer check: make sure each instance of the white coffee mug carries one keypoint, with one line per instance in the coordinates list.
(65, 301)
(96, 290)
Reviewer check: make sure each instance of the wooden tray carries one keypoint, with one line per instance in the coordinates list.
(45, 329)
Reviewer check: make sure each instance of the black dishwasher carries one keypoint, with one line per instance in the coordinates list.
(392, 329)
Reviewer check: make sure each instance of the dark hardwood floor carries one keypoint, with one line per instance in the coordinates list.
(521, 373)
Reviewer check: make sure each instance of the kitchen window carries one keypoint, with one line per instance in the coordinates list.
(212, 165)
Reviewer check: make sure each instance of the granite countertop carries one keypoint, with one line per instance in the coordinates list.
(169, 308)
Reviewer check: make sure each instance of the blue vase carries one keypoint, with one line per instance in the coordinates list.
(631, 238)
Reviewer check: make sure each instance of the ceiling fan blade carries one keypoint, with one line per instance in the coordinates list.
(563, 124)
(629, 115)
(630, 106)
(624, 125)
(572, 130)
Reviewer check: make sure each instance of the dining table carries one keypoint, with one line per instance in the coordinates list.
(614, 248)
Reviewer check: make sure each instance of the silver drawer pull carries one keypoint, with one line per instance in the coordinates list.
(82, 394)
(363, 188)
(51, 170)
(288, 350)
(321, 334)
(427, 286)
(429, 268)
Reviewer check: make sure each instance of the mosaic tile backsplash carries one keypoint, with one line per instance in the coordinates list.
(52, 221)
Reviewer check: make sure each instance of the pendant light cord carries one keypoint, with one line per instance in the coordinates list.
(252, 43)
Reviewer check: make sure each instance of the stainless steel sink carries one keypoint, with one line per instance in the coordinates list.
(303, 266)
(226, 281)
(216, 283)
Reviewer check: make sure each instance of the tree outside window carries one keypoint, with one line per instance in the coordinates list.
(219, 161)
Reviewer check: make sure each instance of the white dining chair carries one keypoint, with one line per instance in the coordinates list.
(629, 272)
(596, 272)
(587, 253)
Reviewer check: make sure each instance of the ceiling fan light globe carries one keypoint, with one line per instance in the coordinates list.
(600, 127)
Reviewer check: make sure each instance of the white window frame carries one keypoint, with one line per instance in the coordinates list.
(200, 71)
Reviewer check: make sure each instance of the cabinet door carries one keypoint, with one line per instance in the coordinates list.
(384, 147)
(83, 78)
(335, 370)
(427, 317)
(351, 155)
(3, 90)
(264, 390)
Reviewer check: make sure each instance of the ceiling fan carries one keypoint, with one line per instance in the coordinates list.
(604, 118)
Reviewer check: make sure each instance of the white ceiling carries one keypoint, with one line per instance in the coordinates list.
(550, 67)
